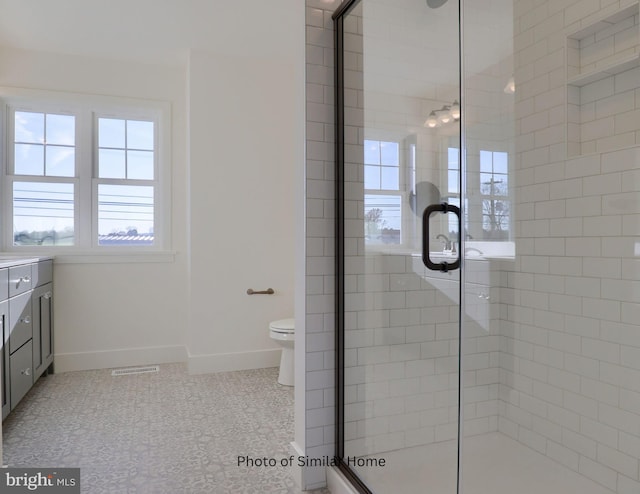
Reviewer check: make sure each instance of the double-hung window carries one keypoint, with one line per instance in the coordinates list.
(125, 181)
(383, 198)
(494, 190)
(42, 179)
(84, 174)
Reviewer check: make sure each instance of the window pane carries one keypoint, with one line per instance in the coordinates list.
(452, 158)
(495, 219)
(111, 163)
(390, 178)
(500, 162)
(139, 135)
(486, 183)
(454, 227)
(500, 185)
(486, 161)
(371, 152)
(60, 161)
(389, 153)
(125, 215)
(493, 185)
(140, 165)
(43, 213)
(29, 127)
(382, 219)
(61, 129)
(454, 182)
(371, 177)
(111, 133)
(29, 159)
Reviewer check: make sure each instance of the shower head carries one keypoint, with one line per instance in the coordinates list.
(434, 4)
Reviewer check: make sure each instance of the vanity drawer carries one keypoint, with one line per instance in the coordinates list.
(42, 273)
(4, 284)
(20, 321)
(21, 373)
(20, 279)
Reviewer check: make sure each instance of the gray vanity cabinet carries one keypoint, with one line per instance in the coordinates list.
(21, 372)
(26, 315)
(20, 321)
(42, 307)
(4, 361)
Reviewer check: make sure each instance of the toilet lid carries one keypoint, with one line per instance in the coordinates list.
(283, 325)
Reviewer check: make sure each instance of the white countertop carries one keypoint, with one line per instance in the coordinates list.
(17, 260)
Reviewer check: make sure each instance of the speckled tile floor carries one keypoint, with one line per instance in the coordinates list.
(166, 432)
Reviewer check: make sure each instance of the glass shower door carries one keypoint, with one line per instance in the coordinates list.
(398, 322)
(541, 393)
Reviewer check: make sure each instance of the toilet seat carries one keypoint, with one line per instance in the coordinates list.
(283, 326)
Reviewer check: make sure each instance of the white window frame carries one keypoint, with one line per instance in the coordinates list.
(87, 109)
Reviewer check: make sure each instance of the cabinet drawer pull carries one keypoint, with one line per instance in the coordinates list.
(26, 372)
(26, 319)
(22, 279)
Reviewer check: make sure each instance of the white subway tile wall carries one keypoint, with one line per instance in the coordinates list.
(569, 374)
(320, 238)
(602, 70)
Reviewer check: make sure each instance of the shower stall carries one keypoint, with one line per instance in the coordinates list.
(488, 246)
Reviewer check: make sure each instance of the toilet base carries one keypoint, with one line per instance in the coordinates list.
(286, 374)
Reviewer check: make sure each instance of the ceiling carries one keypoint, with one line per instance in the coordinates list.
(163, 31)
(150, 31)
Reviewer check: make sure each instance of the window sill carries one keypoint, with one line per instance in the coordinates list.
(101, 257)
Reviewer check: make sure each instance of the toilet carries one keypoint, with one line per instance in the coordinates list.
(283, 332)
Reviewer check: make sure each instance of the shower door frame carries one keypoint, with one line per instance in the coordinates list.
(351, 475)
(339, 246)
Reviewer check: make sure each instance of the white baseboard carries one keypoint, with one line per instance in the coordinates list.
(197, 364)
(222, 362)
(126, 357)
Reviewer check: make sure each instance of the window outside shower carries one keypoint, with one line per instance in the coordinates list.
(126, 156)
(82, 176)
(44, 156)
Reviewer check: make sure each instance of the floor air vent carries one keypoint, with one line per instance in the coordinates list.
(135, 370)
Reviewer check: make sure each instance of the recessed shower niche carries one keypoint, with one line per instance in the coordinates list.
(603, 77)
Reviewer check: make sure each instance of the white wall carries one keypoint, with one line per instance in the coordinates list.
(102, 309)
(242, 124)
(237, 127)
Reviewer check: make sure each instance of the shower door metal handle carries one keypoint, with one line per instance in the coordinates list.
(437, 208)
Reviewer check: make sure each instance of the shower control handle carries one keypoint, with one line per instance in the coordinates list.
(437, 208)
